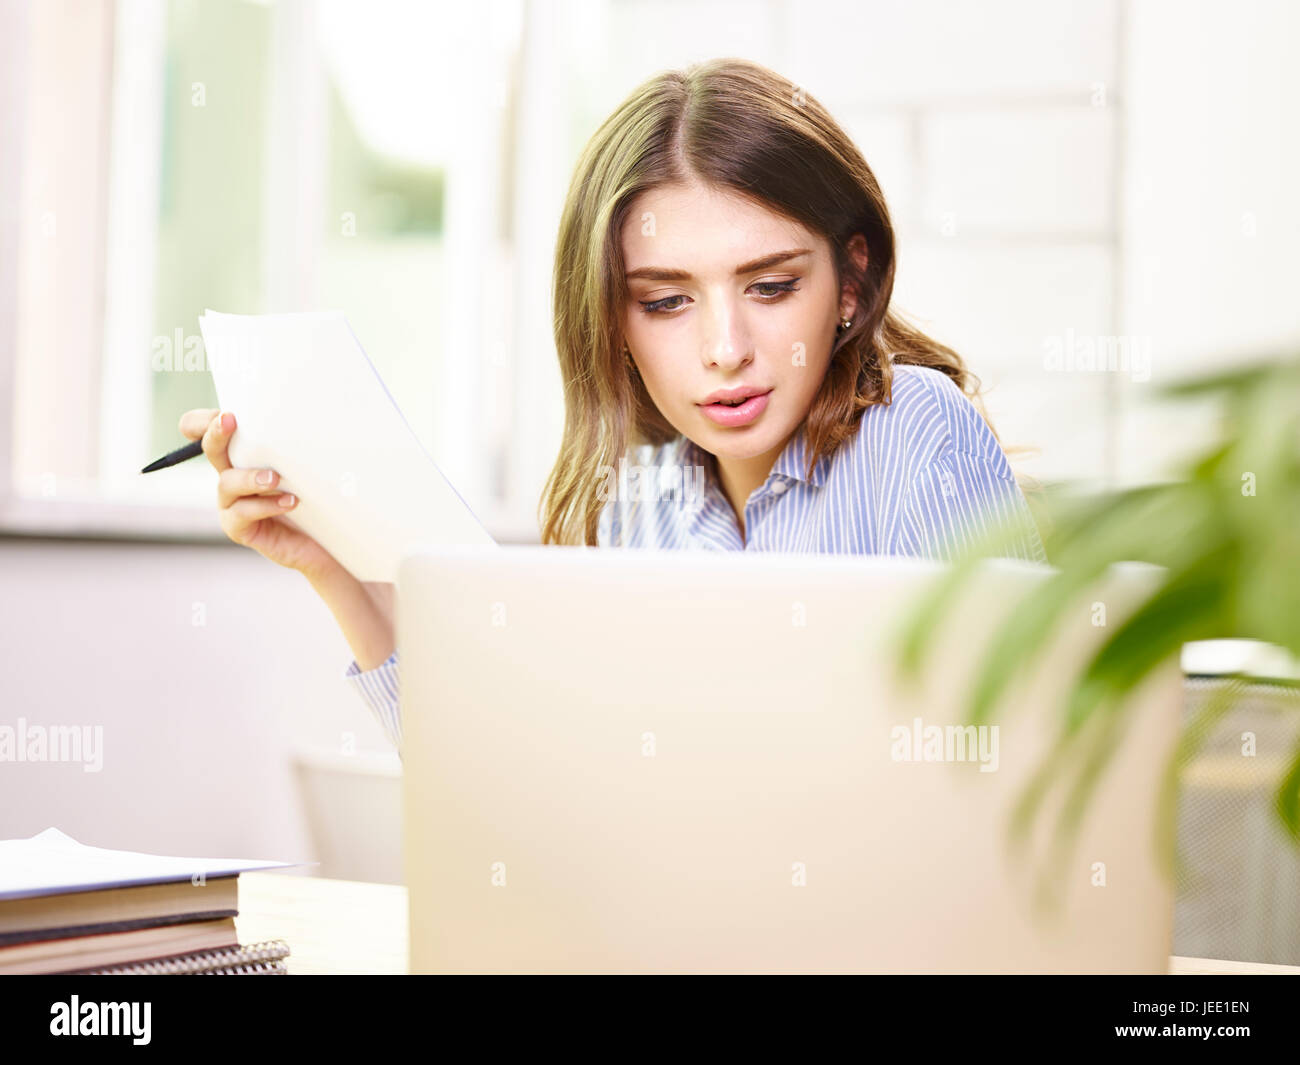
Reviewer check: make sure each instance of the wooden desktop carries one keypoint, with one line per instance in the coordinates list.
(337, 927)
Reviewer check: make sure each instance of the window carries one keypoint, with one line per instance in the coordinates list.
(176, 155)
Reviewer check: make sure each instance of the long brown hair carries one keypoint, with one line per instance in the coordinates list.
(735, 124)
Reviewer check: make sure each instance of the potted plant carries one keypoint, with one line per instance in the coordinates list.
(1227, 534)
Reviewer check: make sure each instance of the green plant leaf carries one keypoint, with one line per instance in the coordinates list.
(1287, 799)
(1187, 607)
(1226, 533)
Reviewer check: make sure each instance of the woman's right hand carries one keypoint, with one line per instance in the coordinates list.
(251, 509)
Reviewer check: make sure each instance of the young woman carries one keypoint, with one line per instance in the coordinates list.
(723, 275)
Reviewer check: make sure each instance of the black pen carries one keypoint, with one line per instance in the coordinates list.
(189, 451)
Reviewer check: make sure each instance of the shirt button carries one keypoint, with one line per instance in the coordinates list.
(778, 487)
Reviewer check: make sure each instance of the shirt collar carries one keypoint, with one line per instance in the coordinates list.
(792, 463)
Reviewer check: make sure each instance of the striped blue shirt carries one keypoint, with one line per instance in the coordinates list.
(923, 476)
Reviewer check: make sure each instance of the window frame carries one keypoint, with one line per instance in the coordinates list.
(179, 504)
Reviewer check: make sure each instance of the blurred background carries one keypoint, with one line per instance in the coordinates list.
(1090, 198)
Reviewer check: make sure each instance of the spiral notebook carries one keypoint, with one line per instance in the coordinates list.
(255, 959)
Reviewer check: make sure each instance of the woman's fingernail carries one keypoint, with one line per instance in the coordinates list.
(264, 477)
(287, 500)
(227, 421)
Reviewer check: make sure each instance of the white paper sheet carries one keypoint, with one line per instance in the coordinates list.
(51, 863)
(309, 404)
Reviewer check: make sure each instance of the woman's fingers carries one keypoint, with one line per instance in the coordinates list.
(216, 439)
(247, 497)
(238, 481)
(238, 520)
(195, 422)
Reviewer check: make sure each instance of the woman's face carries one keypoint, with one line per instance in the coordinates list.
(716, 302)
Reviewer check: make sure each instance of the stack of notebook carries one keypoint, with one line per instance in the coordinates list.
(68, 908)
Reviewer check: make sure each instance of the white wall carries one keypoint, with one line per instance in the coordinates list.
(1212, 219)
(200, 722)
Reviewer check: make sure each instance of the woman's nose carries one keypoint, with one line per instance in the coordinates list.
(726, 345)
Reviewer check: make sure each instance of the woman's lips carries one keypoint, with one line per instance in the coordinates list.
(731, 417)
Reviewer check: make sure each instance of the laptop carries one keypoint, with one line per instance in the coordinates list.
(645, 761)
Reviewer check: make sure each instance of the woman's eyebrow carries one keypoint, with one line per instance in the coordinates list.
(662, 273)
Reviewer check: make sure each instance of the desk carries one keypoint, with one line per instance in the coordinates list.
(331, 926)
(344, 926)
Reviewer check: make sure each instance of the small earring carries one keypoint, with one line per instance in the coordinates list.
(844, 324)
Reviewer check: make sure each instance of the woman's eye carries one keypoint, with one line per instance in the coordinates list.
(660, 305)
(773, 290)
(781, 288)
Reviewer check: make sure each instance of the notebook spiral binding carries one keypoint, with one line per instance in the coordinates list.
(255, 959)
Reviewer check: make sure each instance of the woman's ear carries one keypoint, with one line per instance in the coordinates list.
(857, 249)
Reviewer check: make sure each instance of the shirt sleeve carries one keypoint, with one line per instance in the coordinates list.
(956, 500)
(379, 689)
